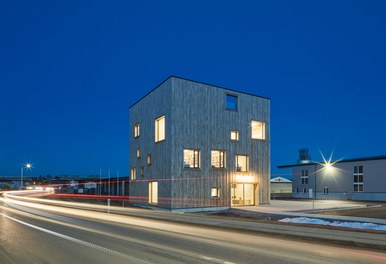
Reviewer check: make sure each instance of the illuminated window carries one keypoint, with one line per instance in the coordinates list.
(142, 171)
(235, 135)
(160, 129)
(215, 192)
(241, 163)
(218, 159)
(148, 159)
(304, 177)
(258, 130)
(136, 130)
(133, 173)
(358, 178)
(231, 102)
(191, 158)
(138, 153)
(153, 192)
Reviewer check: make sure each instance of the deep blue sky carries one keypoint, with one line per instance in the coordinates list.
(69, 70)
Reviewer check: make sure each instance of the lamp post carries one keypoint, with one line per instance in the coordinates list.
(28, 166)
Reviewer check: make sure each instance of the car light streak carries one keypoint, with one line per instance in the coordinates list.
(78, 241)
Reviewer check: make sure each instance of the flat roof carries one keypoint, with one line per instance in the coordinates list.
(337, 161)
(185, 79)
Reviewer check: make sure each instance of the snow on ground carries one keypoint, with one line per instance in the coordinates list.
(315, 221)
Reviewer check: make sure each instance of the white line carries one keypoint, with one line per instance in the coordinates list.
(84, 243)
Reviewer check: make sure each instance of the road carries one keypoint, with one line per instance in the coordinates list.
(40, 233)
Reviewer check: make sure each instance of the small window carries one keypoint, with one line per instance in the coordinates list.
(148, 159)
(304, 190)
(142, 171)
(258, 130)
(325, 190)
(191, 158)
(160, 129)
(242, 163)
(215, 192)
(297, 190)
(138, 153)
(136, 130)
(153, 192)
(235, 135)
(133, 174)
(231, 102)
(218, 159)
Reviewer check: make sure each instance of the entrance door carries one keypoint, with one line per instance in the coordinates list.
(243, 194)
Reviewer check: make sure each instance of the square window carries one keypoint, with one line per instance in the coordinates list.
(215, 192)
(136, 130)
(235, 135)
(218, 159)
(231, 102)
(242, 163)
(160, 129)
(258, 130)
(191, 158)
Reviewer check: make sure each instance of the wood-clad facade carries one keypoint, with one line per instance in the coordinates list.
(185, 166)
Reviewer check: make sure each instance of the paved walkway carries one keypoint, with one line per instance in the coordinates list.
(300, 208)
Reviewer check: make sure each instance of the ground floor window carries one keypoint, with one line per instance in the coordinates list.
(243, 194)
(153, 192)
(325, 190)
(215, 192)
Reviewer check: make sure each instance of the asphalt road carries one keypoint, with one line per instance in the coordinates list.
(51, 234)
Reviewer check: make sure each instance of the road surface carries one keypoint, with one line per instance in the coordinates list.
(35, 233)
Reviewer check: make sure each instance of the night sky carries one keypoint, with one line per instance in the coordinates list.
(69, 70)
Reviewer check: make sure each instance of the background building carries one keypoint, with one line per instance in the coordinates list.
(353, 179)
(196, 146)
(281, 188)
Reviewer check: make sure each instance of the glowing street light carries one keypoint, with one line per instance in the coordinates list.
(28, 166)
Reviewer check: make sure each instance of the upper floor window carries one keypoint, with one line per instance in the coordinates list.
(136, 130)
(218, 159)
(235, 135)
(148, 159)
(133, 173)
(191, 158)
(242, 163)
(358, 178)
(304, 177)
(231, 102)
(142, 171)
(160, 129)
(258, 130)
(138, 153)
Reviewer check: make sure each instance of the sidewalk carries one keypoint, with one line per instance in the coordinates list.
(300, 208)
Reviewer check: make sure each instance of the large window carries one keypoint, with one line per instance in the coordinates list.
(304, 177)
(235, 135)
(231, 102)
(136, 130)
(153, 192)
(242, 163)
(218, 159)
(133, 173)
(258, 130)
(358, 179)
(191, 158)
(160, 129)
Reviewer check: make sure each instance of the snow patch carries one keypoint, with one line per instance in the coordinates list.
(315, 221)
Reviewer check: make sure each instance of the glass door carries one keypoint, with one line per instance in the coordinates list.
(242, 194)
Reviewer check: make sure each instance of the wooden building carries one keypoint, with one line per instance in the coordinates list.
(195, 146)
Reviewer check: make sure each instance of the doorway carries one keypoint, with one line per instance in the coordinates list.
(243, 194)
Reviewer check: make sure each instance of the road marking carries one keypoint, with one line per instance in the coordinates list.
(81, 242)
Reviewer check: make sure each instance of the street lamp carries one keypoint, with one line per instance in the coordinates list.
(28, 166)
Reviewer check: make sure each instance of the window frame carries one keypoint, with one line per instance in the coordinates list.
(217, 192)
(237, 163)
(221, 161)
(258, 137)
(138, 153)
(358, 179)
(196, 159)
(236, 132)
(136, 130)
(153, 187)
(148, 159)
(157, 133)
(133, 173)
(236, 106)
(304, 179)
